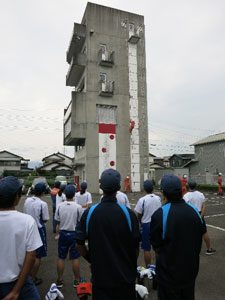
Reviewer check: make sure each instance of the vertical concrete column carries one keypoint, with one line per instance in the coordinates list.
(134, 118)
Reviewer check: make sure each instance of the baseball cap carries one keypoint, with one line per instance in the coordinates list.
(40, 187)
(192, 184)
(70, 191)
(148, 185)
(83, 185)
(9, 186)
(171, 184)
(110, 180)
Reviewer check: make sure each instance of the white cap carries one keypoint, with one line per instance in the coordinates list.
(185, 176)
(220, 174)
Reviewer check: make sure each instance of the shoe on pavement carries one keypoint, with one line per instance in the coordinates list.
(210, 251)
(59, 284)
(75, 283)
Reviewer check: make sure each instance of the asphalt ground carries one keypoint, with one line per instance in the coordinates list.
(210, 284)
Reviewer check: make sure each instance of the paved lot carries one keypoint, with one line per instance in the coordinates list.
(210, 283)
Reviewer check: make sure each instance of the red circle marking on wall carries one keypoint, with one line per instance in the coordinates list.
(112, 163)
(111, 136)
(104, 150)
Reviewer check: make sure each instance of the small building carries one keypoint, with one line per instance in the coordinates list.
(58, 162)
(58, 158)
(180, 160)
(12, 162)
(209, 159)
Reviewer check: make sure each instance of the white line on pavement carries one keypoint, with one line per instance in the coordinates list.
(215, 227)
(213, 216)
(218, 204)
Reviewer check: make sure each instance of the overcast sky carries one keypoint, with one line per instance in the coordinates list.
(185, 49)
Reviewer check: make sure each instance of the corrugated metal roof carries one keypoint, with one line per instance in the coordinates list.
(211, 139)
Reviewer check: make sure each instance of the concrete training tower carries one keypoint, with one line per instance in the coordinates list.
(106, 120)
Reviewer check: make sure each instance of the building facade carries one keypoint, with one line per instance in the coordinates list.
(106, 120)
(209, 159)
(12, 162)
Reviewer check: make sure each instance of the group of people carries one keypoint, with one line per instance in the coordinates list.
(106, 234)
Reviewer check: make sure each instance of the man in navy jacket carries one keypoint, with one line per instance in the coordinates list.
(176, 232)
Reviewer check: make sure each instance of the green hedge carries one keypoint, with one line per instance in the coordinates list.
(208, 187)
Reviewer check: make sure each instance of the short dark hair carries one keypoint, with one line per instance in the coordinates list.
(38, 193)
(9, 201)
(173, 196)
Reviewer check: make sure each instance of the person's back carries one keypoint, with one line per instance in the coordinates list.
(112, 244)
(112, 232)
(68, 213)
(196, 198)
(176, 232)
(36, 207)
(147, 205)
(178, 262)
(145, 208)
(19, 240)
(122, 199)
(15, 228)
(83, 197)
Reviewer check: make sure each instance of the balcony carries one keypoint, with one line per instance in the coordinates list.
(106, 88)
(133, 36)
(77, 41)
(75, 121)
(76, 69)
(106, 58)
(80, 157)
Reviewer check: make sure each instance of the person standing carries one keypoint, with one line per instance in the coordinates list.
(127, 184)
(83, 197)
(198, 199)
(184, 184)
(38, 209)
(145, 208)
(112, 233)
(122, 199)
(220, 184)
(19, 240)
(176, 231)
(68, 214)
(53, 194)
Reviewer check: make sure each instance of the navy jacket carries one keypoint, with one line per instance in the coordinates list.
(178, 253)
(112, 245)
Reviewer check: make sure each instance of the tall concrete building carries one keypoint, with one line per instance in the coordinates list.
(106, 120)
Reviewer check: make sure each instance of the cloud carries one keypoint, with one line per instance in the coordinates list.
(185, 48)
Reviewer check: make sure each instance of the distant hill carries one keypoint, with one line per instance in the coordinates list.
(34, 164)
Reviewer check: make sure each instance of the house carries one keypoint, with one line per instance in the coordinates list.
(12, 162)
(58, 158)
(180, 160)
(61, 163)
(209, 159)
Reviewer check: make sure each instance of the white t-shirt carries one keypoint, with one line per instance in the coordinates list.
(68, 213)
(36, 208)
(196, 198)
(122, 199)
(146, 206)
(19, 234)
(83, 199)
(60, 199)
